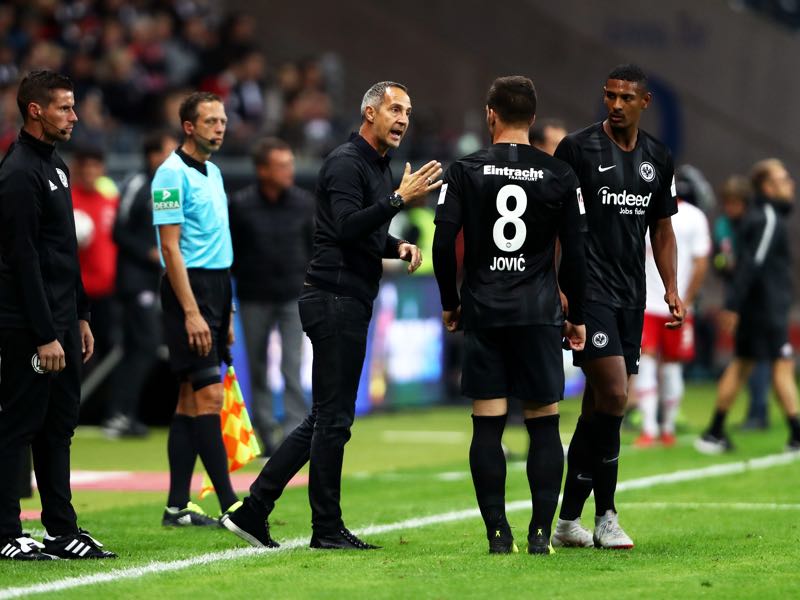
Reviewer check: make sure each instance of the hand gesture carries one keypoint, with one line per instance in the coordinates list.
(199, 334)
(676, 308)
(575, 335)
(452, 319)
(411, 254)
(417, 184)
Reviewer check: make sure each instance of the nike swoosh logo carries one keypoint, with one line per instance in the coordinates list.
(582, 477)
(607, 461)
(604, 169)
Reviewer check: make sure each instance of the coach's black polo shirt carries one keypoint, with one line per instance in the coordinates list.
(352, 221)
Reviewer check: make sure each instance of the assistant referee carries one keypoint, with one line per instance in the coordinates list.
(190, 210)
(44, 324)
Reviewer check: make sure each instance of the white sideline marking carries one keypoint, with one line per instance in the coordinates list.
(715, 505)
(719, 470)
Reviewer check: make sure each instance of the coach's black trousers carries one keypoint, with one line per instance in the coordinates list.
(337, 327)
(38, 410)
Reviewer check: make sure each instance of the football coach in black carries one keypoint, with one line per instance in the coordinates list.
(355, 203)
(44, 324)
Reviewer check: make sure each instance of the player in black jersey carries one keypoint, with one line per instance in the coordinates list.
(512, 201)
(628, 185)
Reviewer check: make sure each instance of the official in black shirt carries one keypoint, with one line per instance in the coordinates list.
(272, 223)
(44, 324)
(757, 304)
(355, 202)
(513, 201)
(138, 277)
(628, 185)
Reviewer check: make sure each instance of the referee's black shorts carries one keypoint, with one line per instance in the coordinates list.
(522, 362)
(212, 291)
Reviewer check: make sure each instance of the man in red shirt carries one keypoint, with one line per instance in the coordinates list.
(95, 200)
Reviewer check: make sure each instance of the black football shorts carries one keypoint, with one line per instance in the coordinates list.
(759, 341)
(524, 362)
(612, 332)
(212, 291)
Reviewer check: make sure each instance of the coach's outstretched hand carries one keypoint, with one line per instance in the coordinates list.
(575, 335)
(411, 254)
(417, 184)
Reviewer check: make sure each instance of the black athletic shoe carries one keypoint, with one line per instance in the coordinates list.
(344, 539)
(191, 515)
(539, 544)
(23, 548)
(501, 541)
(793, 445)
(79, 545)
(245, 523)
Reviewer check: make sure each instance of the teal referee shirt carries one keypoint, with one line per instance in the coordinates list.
(189, 193)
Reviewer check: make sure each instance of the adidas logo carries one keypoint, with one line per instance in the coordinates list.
(78, 547)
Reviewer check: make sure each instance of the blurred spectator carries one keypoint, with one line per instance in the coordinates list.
(95, 199)
(137, 280)
(757, 304)
(547, 133)
(271, 226)
(660, 378)
(734, 195)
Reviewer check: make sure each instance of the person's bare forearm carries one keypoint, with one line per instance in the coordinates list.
(665, 253)
(179, 278)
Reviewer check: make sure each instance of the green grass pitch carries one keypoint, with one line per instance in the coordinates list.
(731, 536)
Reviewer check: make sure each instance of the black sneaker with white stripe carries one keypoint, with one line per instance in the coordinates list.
(79, 545)
(23, 548)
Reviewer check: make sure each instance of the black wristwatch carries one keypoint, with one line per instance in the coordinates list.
(396, 200)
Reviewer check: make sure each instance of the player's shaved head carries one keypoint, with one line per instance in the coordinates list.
(513, 98)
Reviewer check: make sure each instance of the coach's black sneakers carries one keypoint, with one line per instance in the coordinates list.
(712, 444)
(191, 515)
(793, 445)
(246, 524)
(23, 548)
(76, 545)
(344, 539)
(500, 540)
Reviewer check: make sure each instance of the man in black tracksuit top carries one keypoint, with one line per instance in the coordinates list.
(355, 203)
(44, 324)
(137, 281)
(757, 304)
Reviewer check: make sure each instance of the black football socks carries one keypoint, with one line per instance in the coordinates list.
(578, 484)
(488, 465)
(210, 447)
(718, 423)
(545, 469)
(182, 454)
(605, 429)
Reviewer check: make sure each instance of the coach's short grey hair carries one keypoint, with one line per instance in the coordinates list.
(374, 95)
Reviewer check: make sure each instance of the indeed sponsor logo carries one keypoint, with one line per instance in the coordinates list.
(531, 174)
(625, 201)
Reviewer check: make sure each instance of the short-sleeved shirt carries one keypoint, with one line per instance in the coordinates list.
(183, 194)
(693, 239)
(512, 201)
(624, 192)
